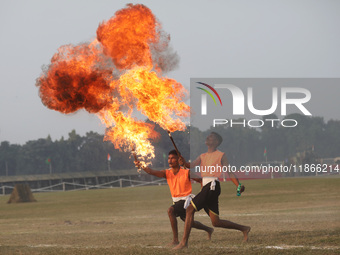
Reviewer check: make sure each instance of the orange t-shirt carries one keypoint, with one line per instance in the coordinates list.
(211, 164)
(179, 184)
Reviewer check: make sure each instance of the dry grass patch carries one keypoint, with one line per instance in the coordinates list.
(287, 216)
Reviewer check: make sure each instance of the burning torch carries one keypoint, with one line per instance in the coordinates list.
(173, 142)
(133, 151)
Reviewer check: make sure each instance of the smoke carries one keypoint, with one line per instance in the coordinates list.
(163, 55)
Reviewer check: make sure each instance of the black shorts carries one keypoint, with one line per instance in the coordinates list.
(207, 199)
(179, 209)
(181, 212)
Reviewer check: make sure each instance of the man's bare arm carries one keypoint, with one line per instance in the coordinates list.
(232, 176)
(199, 180)
(196, 179)
(148, 170)
(183, 162)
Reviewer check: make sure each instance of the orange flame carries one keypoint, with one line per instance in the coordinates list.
(157, 98)
(74, 80)
(129, 134)
(127, 36)
(113, 75)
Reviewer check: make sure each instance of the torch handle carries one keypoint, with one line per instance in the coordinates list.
(134, 155)
(173, 142)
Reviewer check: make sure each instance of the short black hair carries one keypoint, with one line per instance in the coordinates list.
(173, 152)
(219, 138)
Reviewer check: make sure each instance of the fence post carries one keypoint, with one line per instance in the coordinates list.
(121, 183)
(63, 186)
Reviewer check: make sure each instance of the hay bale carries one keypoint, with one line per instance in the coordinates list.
(21, 193)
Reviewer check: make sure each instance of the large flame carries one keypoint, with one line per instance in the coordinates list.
(128, 35)
(119, 72)
(129, 133)
(158, 98)
(75, 80)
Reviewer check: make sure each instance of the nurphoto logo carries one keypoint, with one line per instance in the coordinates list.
(236, 100)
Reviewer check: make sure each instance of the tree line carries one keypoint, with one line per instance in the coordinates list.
(312, 137)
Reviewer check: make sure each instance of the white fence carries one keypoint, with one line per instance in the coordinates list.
(71, 186)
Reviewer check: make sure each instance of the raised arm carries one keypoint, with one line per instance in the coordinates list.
(148, 170)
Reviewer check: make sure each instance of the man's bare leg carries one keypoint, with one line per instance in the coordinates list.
(173, 222)
(199, 225)
(187, 228)
(217, 222)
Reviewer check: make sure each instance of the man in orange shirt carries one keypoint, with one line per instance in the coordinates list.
(208, 196)
(179, 183)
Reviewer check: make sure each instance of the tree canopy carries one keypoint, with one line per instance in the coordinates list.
(242, 145)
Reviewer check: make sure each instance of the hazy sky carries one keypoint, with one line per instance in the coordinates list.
(287, 39)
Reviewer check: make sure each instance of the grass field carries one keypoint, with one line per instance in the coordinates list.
(287, 216)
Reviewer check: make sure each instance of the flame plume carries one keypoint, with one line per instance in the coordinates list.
(157, 98)
(118, 72)
(74, 80)
(127, 36)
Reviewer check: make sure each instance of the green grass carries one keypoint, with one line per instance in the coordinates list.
(287, 216)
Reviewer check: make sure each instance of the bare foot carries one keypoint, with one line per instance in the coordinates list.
(180, 246)
(173, 243)
(210, 231)
(245, 234)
